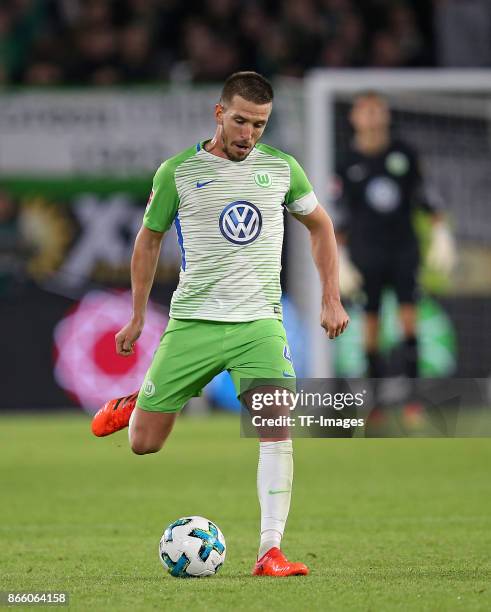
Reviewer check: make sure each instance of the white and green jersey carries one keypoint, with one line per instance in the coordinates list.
(229, 221)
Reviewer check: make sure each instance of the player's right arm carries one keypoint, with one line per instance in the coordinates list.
(160, 213)
(143, 265)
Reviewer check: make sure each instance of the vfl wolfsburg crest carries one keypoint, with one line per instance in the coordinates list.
(148, 388)
(263, 179)
(397, 163)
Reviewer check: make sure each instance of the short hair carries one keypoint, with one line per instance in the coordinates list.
(369, 93)
(249, 85)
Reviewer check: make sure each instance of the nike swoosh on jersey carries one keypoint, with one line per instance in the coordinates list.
(199, 185)
(271, 492)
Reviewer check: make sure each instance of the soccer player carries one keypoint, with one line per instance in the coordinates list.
(226, 197)
(379, 183)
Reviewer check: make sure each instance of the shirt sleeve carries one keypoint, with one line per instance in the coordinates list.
(163, 202)
(300, 198)
(425, 196)
(341, 212)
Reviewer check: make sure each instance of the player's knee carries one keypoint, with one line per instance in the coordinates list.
(144, 447)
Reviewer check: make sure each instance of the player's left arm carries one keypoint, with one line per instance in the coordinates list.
(334, 318)
(442, 252)
(301, 202)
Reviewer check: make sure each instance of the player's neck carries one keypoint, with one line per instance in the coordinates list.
(215, 148)
(372, 142)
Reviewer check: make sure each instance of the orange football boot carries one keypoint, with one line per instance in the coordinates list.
(114, 415)
(274, 563)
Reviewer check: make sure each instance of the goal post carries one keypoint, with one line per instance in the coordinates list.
(445, 114)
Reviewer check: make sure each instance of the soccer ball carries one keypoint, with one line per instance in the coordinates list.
(192, 547)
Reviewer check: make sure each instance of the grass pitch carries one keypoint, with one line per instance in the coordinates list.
(383, 524)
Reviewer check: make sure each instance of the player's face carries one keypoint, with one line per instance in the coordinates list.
(370, 113)
(243, 124)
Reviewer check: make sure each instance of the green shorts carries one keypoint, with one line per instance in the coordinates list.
(192, 352)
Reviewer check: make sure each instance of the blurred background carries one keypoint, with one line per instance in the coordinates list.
(94, 94)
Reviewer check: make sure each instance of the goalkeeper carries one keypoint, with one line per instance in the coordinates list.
(379, 183)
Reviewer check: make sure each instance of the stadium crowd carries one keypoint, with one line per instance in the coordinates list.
(104, 42)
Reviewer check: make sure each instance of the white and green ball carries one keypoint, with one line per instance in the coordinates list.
(192, 547)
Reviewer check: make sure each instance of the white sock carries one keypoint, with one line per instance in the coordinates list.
(274, 485)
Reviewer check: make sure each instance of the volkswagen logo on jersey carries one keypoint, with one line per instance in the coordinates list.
(241, 222)
(383, 194)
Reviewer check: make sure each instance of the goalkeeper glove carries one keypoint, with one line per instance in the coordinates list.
(442, 254)
(350, 279)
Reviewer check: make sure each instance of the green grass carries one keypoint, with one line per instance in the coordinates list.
(384, 524)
